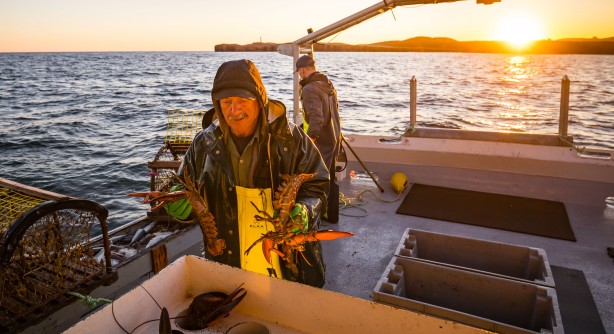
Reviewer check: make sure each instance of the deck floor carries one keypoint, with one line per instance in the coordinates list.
(354, 265)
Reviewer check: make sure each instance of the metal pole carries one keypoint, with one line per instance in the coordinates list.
(297, 117)
(362, 164)
(564, 113)
(413, 102)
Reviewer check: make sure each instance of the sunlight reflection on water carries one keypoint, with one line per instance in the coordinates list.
(85, 124)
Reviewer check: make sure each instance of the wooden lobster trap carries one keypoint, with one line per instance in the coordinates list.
(47, 251)
(181, 127)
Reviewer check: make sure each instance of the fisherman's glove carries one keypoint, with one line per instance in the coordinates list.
(299, 214)
(179, 209)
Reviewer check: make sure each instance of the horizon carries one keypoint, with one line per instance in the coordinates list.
(186, 25)
(519, 49)
(444, 37)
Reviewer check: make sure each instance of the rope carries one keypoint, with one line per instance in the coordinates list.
(409, 129)
(352, 203)
(574, 146)
(358, 201)
(89, 300)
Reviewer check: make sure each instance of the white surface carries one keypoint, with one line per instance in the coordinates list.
(282, 306)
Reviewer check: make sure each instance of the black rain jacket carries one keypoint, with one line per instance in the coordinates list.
(322, 114)
(285, 150)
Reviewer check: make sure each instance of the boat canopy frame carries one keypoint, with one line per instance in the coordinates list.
(304, 45)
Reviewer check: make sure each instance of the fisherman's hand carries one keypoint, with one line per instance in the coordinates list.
(299, 214)
(179, 209)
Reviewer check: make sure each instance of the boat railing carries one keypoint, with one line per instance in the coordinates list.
(560, 139)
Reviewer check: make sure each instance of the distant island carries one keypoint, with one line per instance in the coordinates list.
(444, 44)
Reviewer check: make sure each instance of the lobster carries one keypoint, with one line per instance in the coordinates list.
(200, 207)
(284, 224)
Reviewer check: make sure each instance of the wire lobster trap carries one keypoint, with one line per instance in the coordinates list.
(46, 251)
(181, 127)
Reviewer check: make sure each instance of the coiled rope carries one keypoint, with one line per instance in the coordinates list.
(346, 203)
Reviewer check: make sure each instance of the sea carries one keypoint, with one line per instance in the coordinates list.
(86, 124)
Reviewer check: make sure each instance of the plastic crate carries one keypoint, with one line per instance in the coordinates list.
(484, 301)
(506, 260)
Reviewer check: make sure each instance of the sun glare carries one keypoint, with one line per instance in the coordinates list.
(520, 29)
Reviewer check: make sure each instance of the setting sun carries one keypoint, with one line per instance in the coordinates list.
(520, 29)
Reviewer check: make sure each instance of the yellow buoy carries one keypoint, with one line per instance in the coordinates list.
(399, 182)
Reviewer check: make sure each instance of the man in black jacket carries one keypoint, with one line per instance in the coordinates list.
(322, 123)
(245, 146)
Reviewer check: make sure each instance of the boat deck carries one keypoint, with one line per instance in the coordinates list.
(354, 265)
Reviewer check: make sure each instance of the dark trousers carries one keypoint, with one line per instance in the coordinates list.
(332, 213)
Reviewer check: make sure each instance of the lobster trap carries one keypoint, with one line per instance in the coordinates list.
(46, 251)
(181, 127)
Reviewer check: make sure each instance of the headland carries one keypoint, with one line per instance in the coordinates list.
(444, 44)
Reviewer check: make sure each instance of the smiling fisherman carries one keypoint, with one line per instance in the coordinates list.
(245, 146)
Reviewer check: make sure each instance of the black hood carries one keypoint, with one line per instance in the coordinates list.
(321, 79)
(239, 74)
(243, 74)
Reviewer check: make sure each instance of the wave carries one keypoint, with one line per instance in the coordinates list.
(86, 124)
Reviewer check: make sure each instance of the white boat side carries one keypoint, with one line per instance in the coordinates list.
(282, 306)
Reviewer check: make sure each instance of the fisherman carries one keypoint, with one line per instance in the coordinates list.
(245, 146)
(322, 123)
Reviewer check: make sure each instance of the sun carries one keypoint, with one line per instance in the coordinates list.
(520, 29)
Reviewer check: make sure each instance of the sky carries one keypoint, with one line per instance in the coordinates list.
(191, 25)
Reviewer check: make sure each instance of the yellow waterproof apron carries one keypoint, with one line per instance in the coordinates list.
(251, 230)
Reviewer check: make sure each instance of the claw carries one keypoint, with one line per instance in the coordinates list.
(200, 209)
(254, 244)
(160, 197)
(268, 246)
(168, 198)
(302, 238)
(332, 235)
(147, 196)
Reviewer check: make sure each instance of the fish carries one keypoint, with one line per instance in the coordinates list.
(150, 226)
(159, 237)
(140, 233)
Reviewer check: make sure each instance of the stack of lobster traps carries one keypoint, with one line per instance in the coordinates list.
(48, 253)
(182, 126)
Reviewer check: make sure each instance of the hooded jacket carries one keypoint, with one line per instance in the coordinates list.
(322, 114)
(285, 149)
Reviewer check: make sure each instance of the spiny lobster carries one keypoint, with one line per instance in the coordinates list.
(200, 207)
(285, 198)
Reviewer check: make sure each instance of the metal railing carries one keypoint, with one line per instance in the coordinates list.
(564, 110)
(561, 139)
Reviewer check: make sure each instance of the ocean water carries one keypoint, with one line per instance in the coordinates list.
(86, 124)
